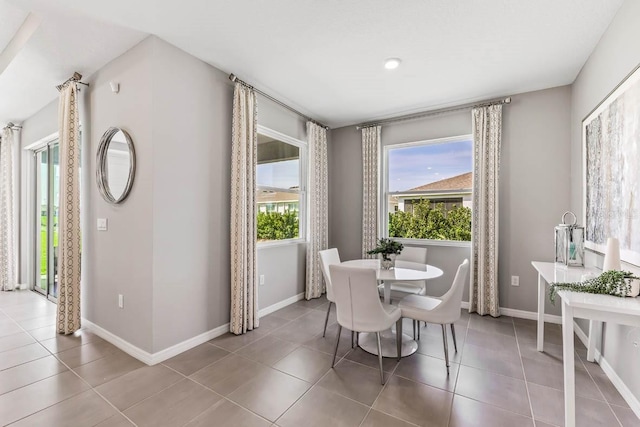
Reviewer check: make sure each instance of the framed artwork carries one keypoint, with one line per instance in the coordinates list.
(611, 167)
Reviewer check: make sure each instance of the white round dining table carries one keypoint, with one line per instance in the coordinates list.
(367, 341)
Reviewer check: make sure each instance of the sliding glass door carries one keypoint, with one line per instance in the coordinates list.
(47, 193)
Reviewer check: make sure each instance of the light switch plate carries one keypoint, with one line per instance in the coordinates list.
(102, 224)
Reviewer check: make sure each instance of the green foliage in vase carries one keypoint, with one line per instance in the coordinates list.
(608, 283)
(277, 226)
(426, 222)
(387, 247)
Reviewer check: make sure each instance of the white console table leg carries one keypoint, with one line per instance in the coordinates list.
(541, 298)
(569, 366)
(595, 331)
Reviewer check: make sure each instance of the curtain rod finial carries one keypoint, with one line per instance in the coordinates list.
(233, 77)
(507, 100)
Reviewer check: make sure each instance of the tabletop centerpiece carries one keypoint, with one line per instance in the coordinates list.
(387, 249)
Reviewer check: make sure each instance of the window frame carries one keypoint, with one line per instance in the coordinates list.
(303, 165)
(383, 205)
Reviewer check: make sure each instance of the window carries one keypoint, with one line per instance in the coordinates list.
(427, 188)
(281, 185)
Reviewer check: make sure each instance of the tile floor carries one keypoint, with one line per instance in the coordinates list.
(281, 375)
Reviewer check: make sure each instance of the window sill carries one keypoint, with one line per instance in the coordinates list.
(276, 243)
(428, 242)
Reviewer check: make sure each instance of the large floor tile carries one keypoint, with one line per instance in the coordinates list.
(272, 322)
(85, 409)
(29, 373)
(471, 413)
(227, 414)
(270, 394)
(9, 327)
(432, 345)
(498, 390)
(610, 392)
(428, 370)
(414, 402)
(174, 406)
(371, 360)
(548, 406)
(108, 368)
(320, 408)
(378, 419)
(552, 375)
(60, 343)
(354, 381)
(267, 350)
(13, 341)
(327, 344)
(87, 353)
(129, 389)
(27, 400)
(493, 360)
(195, 359)
(626, 416)
(17, 356)
(228, 374)
(232, 342)
(492, 341)
(115, 421)
(489, 324)
(37, 322)
(306, 364)
(44, 333)
(292, 312)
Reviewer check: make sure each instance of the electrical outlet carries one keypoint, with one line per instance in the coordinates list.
(515, 280)
(261, 279)
(120, 301)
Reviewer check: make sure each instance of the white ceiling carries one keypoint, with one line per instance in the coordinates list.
(325, 58)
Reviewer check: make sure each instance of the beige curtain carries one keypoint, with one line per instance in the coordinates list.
(487, 136)
(244, 152)
(8, 255)
(318, 215)
(68, 319)
(370, 188)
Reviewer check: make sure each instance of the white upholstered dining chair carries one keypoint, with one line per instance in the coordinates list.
(359, 308)
(328, 257)
(445, 310)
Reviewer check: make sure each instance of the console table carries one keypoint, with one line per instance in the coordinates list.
(595, 308)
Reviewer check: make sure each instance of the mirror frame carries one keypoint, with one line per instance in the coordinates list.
(101, 166)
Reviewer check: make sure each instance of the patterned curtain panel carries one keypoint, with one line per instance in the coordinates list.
(487, 136)
(244, 290)
(68, 318)
(8, 255)
(318, 207)
(370, 190)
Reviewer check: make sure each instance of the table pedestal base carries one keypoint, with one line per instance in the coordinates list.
(368, 343)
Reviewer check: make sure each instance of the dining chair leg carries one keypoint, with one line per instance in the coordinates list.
(446, 346)
(357, 339)
(399, 338)
(335, 353)
(326, 320)
(414, 330)
(353, 338)
(453, 333)
(380, 358)
(418, 330)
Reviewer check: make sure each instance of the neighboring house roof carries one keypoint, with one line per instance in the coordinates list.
(276, 196)
(459, 182)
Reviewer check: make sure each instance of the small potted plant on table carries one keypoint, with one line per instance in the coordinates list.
(388, 249)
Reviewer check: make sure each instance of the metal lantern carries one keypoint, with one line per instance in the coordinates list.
(569, 241)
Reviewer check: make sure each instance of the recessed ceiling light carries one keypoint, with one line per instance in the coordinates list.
(392, 63)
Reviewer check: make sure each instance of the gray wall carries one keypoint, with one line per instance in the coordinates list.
(615, 56)
(167, 247)
(534, 173)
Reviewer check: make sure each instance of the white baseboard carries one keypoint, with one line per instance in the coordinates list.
(613, 376)
(282, 304)
(522, 314)
(168, 353)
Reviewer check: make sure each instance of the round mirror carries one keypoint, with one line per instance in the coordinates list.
(116, 165)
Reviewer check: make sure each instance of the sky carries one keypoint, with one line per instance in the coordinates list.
(409, 167)
(412, 167)
(279, 174)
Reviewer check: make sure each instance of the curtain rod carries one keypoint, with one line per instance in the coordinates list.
(12, 126)
(235, 79)
(433, 113)
(75, 78)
